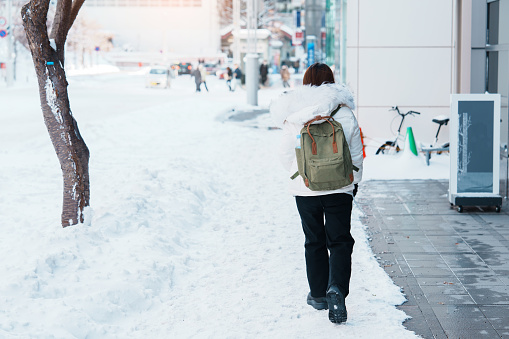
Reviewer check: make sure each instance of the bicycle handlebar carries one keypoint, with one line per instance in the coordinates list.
(395, 108)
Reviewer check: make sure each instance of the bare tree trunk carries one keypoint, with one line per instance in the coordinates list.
(48, 58)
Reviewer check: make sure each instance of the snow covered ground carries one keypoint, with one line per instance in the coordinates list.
(193, 233)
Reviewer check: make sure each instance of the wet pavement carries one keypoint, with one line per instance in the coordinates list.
(453, 267)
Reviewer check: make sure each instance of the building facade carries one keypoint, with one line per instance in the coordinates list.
(415, 54)
(186, 28)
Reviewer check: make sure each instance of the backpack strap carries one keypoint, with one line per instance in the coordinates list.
(326, 118)
(336, 110)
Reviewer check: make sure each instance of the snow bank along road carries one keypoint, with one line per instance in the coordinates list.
(192, 235)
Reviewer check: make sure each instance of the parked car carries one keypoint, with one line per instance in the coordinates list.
(158, 76)
(221, 71)
(185, 68)
(211, 68)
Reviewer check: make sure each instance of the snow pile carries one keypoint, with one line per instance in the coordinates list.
(192, 234)
(93, 70)
(403, 165)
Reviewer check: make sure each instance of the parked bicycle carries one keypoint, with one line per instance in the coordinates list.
(395, 144)
(441, 120)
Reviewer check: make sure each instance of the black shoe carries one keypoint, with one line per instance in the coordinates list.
(318, 303)
(336, 303)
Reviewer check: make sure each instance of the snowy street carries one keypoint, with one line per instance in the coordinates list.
(193, 233)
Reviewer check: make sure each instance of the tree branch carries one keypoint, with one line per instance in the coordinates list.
(61, 22)
(60, 27)
(76, 6)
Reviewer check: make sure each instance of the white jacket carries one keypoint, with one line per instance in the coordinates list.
(293, 109)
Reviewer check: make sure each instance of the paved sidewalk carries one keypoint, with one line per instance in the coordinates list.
(453, 267)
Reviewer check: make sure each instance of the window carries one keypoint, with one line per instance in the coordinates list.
(152, 3)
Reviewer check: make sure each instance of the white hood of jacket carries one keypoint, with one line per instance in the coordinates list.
(293, 109)
(306, 102)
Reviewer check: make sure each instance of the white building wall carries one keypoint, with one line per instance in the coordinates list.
(400, 52)
(181, 30)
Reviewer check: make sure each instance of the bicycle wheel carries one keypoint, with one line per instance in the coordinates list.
(382, 149)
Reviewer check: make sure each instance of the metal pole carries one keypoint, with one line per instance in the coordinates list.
(314, 25)
(236, 30)
(252, 56)
(10, 49)
(337, 38)
(343, 41)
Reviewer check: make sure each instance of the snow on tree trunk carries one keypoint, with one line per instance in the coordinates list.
(72, 152)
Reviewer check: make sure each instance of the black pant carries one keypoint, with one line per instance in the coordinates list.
(333, 235)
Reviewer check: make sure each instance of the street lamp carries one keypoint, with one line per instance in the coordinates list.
(10, 49)
(252, 55)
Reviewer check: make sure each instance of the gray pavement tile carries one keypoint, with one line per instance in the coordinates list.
(438, 281)
(495, 219)
(494, 255)
(416, 248)
(482, 247)
(457, 289)
(472, 232)
(430, 271)
(503, 334)
(500, 324)
(483, 270)
(497, 315)
(442, 240)
(505, 280)
(480, 280)
(489, 295)
(466, 333)
(449, 299)
(421, 256)
(492, 311)
(427, 263)
(501, 271)
(456, 247)
(498, 265)
(486, 239)
(463, 260)
(457, 312)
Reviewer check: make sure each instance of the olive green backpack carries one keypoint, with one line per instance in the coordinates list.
(323, 156)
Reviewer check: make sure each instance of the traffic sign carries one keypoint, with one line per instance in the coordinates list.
(3, 21)
(3, 33)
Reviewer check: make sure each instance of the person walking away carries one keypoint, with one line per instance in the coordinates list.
(197, 78)
(228, 77)
(237, 77)
(325, 215)
(203, 74)
(285, 75)
(264, 71)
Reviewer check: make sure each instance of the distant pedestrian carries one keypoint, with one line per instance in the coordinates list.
(197, 78)
(237, 77)
(264, 71)
(325, 214)
(228, 77)
(203, 72)
(285, 75)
